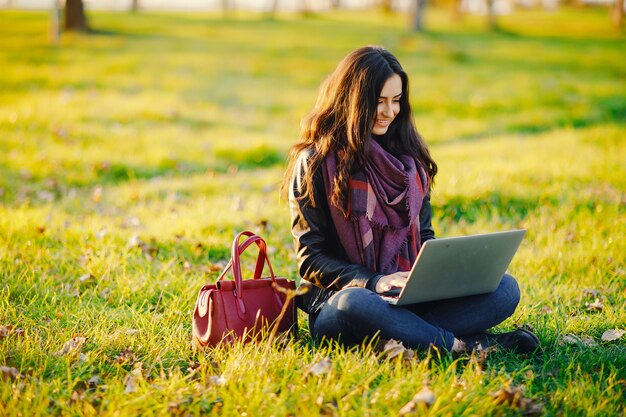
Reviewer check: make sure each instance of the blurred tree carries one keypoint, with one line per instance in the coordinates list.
(226, 6)
(618, 14)
(304, 7)
(456, 9)
(335, 4)
(134, 5)
(55, 27)
(492, 22)
(387, 5)
(274, 7)
(75, 18)
(418, 14)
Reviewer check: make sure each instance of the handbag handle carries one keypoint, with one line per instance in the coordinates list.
(235, 252)
(262, 258)
(235, 262)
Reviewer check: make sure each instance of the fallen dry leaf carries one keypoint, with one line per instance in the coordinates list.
(5, 331)
(423, 399)
(130, 384)
(570, 339)
(546, 310)
(613, 334)
(327, 408)
(393, 348)
(8, 372)
(77, 397)
(86, 278)
(94, 381)
(213, 267)
(320, 368)
(591, 293)
(131, 222)
(71, 346)
(597, 305)
(174, 408)
(105, 293)
(133, 378)
(215, 380)
(407, 408)
(589, 341)
(125, 356)
(425, 396)
(194, 366)
(529, 407)
(515, 397)
(134, 241)
(70, 290)
(150, 250)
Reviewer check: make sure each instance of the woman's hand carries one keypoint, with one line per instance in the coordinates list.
(395, 280)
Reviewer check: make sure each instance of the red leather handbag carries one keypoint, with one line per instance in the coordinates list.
(243, 309)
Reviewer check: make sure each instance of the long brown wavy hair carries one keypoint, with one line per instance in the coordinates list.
(343, 118)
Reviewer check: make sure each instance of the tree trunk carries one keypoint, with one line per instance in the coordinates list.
(55, 26)
(418, 15)
(75, 18)
(618, 14)
(457, 13)
(492, 22)
(387, 6)
(134, 6)
(274, 7)
(304, 7)
(335, 4)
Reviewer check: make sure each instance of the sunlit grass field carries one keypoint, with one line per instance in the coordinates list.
(130, 157)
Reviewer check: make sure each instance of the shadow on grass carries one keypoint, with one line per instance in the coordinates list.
(261, 156)
(607, 110)
(502, 33)
(19, 187)
(489, 206)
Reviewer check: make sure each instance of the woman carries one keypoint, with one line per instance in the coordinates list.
(359, 184)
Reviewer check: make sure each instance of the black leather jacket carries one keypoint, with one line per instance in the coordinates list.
(322, 261)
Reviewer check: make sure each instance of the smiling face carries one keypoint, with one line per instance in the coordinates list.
(388, 104)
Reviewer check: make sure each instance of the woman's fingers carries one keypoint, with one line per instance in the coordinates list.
(395, 280)
(399, 279)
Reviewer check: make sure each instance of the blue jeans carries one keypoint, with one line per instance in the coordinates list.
(353, 315)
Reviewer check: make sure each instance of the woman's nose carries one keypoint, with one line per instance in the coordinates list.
(387, 110)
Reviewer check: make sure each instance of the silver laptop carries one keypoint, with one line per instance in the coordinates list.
(459, 266)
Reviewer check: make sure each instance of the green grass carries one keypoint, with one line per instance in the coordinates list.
(173, 129)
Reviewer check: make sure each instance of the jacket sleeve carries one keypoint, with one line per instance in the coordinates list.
(426, 213)
(321, 259)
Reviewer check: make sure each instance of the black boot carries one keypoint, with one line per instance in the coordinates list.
(518, 341)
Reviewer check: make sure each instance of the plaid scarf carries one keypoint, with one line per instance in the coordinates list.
(381, 228)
